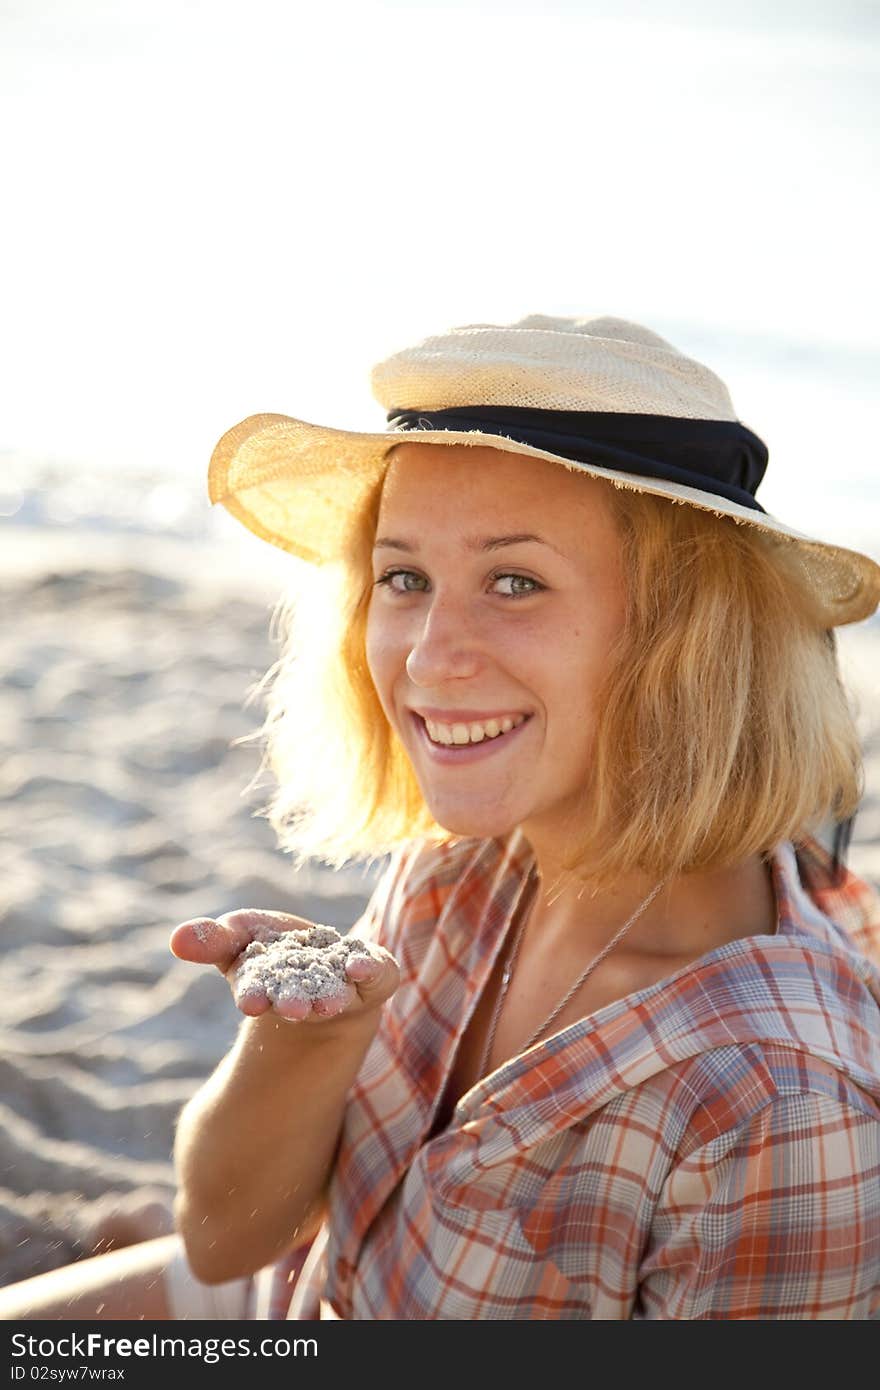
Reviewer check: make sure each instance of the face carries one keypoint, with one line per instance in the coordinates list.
(498, 593)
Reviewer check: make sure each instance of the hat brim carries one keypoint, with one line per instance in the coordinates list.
(298, 486)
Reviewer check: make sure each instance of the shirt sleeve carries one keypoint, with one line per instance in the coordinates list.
(778, 1219)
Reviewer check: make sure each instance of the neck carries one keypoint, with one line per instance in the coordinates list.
(690, 915)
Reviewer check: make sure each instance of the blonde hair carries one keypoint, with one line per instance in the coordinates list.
(723, 726)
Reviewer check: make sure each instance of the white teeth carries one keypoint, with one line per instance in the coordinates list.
(439, 732)
(471, 733)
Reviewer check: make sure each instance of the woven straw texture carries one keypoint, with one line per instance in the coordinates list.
(553, 364)
(299, 485)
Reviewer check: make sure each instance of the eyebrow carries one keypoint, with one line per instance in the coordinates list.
(477, 543)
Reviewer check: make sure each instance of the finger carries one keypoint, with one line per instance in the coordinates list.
(362, 969)
(374, 972)
(297, 1008)
(204, 941)
(252, 1002)
(294, 1010)
(220, 940)
(209, 941)
(330, 1005)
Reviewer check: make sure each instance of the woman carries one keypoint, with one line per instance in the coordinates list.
(614, 1048)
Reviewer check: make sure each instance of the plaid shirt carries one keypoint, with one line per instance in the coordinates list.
(708, 1147)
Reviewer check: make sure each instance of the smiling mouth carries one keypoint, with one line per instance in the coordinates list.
(470, 734)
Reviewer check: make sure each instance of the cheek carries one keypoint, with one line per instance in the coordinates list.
(383, 656)
(574, 673)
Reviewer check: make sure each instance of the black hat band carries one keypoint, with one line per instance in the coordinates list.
(721, 457)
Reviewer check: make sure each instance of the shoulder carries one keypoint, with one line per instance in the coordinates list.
(706, 1109)
(845, 899)
(723, 1093)
(777, 1215)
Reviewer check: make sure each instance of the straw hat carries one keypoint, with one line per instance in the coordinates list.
(602, 395)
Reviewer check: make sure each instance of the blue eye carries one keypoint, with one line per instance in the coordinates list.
(517, 579)
(394, 574)
(522, 585)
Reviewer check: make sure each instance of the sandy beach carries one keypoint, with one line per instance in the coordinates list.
(126, 669)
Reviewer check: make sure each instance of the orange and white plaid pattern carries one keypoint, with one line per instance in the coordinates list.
(708, 1147)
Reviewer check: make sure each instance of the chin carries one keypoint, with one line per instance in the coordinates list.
(473, 824)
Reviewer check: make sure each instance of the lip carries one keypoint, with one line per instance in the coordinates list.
(466, 752)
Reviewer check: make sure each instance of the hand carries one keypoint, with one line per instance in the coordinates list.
(371, 976)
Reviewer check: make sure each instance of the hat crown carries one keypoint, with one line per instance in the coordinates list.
(546, 363)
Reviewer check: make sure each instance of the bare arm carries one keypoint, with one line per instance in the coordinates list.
(255, 1146)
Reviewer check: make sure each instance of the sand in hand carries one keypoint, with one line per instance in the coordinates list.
(298, 964)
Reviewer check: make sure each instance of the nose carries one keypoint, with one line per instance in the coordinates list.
(445, 646)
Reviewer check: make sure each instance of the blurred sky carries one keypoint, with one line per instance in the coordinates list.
(211, 209)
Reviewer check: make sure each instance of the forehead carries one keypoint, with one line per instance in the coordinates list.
(433, 481)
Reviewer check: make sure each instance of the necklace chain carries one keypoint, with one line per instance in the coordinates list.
(584, 975)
